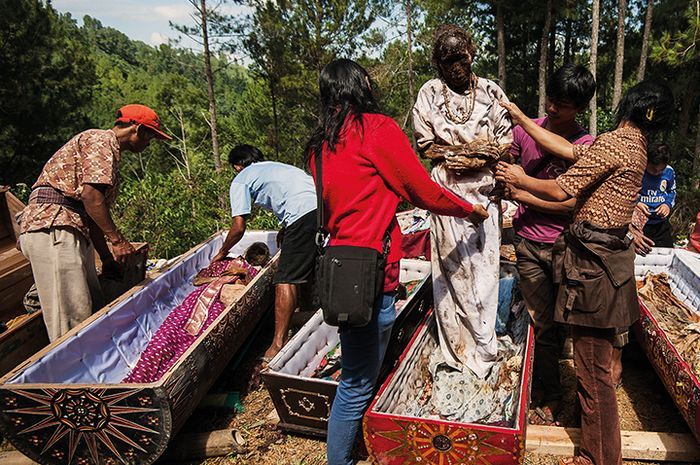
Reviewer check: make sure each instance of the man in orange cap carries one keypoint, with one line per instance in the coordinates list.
(67, 217)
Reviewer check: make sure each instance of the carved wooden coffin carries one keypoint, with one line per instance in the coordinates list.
(303, 402)
(683, 270)
(26, 333)
(394, 437)
(67, 405)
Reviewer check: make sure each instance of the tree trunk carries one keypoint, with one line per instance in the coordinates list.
(210, 86)
(619, 52)
(275, 120)
(595, 23)
(696, 159)
(645, 41)
(567, 42)
(691, 90)
(501, 45)
(544, 42)
(552, 51)
(409, 36)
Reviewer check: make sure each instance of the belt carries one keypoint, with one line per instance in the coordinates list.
(50, 195)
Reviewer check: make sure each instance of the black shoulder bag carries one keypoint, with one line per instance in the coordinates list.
(348, 278)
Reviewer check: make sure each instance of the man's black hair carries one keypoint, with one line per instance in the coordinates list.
(245, 155)
(649, 105)
(571, 83)
(658, 154)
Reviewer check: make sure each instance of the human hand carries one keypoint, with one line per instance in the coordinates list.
(642, 244)
(663, 210)
(220, 256)
(478, 214)
(510, 174)
(513, 193)
(643, 208)
(121, 250)
(516, 114)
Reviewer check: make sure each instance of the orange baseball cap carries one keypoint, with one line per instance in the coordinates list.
(141, 114)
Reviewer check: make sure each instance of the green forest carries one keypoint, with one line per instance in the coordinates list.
(254, 80)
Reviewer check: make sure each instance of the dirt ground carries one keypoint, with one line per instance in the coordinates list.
(643, 403)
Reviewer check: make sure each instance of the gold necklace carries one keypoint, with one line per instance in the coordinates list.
(472, 101)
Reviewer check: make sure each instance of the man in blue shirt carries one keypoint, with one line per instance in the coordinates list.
(658, 195)
(290, 194)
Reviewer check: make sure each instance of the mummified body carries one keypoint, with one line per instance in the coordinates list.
(681, 325)
(457, 119)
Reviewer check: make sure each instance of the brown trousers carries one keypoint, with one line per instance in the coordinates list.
(600, 422)
(540, 293)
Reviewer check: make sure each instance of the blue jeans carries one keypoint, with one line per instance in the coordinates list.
(362, 351)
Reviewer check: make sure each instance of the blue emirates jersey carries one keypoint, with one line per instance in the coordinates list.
(283, 189)
(657, 190)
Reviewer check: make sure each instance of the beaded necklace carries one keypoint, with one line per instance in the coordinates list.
(472, 100)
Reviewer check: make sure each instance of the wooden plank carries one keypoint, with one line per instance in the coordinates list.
(636, 445)
(13, 457)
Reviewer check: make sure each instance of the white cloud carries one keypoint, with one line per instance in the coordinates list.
(157, 38)
(173, 12)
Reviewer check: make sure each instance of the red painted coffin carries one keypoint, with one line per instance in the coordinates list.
(683, 270)
(395, 439)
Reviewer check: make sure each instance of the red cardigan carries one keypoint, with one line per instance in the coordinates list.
(364, 180)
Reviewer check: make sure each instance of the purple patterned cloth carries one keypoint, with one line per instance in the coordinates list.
(172, 338)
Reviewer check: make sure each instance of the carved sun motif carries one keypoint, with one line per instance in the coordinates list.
(441, 444)
(84, 415)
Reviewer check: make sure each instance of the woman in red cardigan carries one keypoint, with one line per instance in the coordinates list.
(368, 167)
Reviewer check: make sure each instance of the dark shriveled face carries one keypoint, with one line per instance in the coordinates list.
(454, 61)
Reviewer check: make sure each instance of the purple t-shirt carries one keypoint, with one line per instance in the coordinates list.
(528, 222)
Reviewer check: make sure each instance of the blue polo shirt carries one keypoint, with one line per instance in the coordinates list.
(285, 190)
(657, 190)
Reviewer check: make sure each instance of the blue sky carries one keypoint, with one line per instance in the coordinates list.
(145, 20)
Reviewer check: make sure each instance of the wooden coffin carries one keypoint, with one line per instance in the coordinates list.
(303, 402)
(67, 405)
(27, 333)
(15, 273)
(394, 438)
(683, 270)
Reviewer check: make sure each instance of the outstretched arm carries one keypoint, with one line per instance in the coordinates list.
(398, 165)
(546, 206)
(550, 142)
(235, 233)
(546, 189)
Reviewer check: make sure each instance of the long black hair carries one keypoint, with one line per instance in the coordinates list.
(345, 91)
(649, 105)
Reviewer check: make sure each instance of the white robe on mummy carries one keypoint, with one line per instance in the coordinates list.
(465, 257)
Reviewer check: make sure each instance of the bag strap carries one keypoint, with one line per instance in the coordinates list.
(321, 232)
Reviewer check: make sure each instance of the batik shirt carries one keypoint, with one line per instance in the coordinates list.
(607, 177)
(91, 157)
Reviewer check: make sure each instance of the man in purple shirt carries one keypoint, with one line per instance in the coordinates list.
(538, 223)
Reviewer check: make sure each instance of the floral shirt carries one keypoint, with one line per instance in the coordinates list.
(91, 157)
(607, 177)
